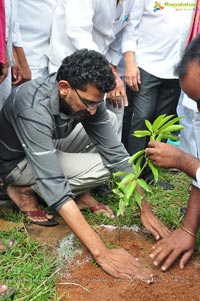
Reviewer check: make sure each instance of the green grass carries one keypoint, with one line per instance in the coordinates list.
(166, 204)
(28, 268)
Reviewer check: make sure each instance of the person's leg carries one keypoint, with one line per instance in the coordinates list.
(168, 97)
(143, 105)
(83, 170)
(167, 100)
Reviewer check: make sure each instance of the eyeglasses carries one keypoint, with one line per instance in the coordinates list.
(90, 104)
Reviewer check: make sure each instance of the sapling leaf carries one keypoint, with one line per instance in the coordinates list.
(118, 192)
(170, 122)
(121, 208)
(140, 134)
(137, 166)
(154, 170)
(122, 187)
(148, 125)
(132, 202)
(126, 201)
(157, 122)
(120, 173)
(169, 136)
(143, 184)
(163, 121)
(138, 198)
(159, 137)
(131, 188)
(172, 128)
(136, 155)
(128, 178)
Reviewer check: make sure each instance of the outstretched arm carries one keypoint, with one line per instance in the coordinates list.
(152, 223)
(166, 156)
(181, 241)
(116, 262)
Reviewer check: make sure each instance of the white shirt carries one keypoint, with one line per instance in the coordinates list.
(13, 36)
(91, 24)
(161, 35)
(35, 19)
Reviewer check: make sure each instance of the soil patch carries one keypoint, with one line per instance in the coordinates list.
(88, 282)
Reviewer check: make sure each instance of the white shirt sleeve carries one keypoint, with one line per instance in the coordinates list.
(197, 182)
(16, 36)
(130, 32)
(79, 23)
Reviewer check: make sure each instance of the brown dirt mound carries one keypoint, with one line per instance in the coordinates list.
(87, 282)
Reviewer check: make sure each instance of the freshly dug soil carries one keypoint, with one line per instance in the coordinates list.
(87, 282)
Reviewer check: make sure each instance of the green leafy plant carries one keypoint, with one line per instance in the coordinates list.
(127, 182)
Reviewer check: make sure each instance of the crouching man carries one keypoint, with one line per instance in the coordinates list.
(58, 141)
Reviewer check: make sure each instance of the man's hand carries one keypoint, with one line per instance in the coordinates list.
(152, 223)
(132, 72)
(4, 71)
(120, 264)
(132, 77)
(115, 96)
(116, 262)
(16, 74)
(163, 154)
(26, 73)
(166, 251)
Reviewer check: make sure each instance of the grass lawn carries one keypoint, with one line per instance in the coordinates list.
(32, 270)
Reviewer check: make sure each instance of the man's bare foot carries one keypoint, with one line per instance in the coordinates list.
(3, 288)
(25, 199)
(9, 244)
(86, 200)
(6, 292)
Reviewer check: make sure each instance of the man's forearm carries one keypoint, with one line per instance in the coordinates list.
(189, 165)
(192, 217)
(76, 222)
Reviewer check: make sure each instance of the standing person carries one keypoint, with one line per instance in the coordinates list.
(181, 242)
(3, 65)
(161, 33)
(36, 35)
(101, 25)
(41, 151)
(186, 106)
(18, 69)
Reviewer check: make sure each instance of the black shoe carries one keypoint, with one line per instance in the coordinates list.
(149, 178)
(3, 193)
(164, 185)
(101, 190)
(183, 210)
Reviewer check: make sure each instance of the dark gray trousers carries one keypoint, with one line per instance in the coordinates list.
(155, 96)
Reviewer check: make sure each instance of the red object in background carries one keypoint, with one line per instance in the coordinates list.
(2, 33)
(195, 27)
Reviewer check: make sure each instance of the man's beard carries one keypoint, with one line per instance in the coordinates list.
(67, 109)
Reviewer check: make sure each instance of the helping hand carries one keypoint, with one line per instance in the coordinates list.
(115, 96)
(167, 250)
(163, 154)
(153, 224)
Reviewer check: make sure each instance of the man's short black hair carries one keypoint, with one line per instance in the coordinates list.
(191, 54)
(85, 67)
